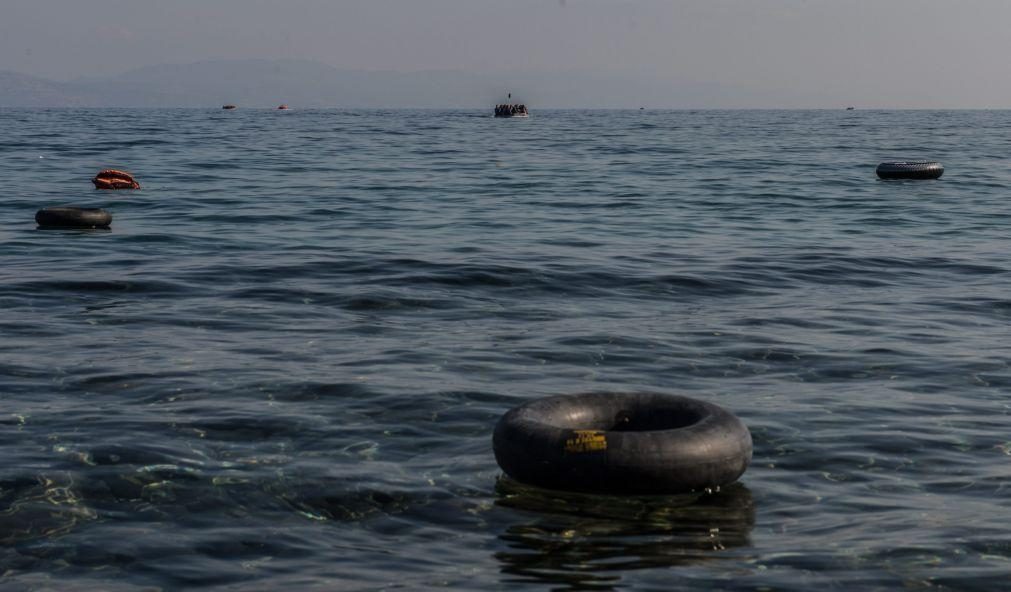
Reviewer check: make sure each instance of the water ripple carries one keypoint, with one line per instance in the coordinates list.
(282, 365)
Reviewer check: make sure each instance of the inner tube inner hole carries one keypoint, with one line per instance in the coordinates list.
(629, 418)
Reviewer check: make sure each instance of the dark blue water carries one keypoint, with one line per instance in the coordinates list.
(281, 367)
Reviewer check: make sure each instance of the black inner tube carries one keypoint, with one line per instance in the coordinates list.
(642, 443)
(921, 169)
(72, 217)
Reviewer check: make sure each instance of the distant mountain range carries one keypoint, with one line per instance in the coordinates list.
(301, 83)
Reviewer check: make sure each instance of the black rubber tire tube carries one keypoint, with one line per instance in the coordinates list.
(622, 443)
(920, 169)
(73, 217)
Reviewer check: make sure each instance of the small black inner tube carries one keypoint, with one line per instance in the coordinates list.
(629, 443)
(73, 217)
(918, 169)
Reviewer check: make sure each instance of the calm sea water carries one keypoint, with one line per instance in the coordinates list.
(281, 367)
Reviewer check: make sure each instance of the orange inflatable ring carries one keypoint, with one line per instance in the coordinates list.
(113, 179)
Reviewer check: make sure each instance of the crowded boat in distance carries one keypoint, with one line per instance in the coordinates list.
(511, 110)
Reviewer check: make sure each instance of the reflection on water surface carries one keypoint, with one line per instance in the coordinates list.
(585, 542)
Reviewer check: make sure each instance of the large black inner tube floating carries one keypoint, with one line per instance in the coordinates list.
(622, 443)
(73, 217)
(918, 169)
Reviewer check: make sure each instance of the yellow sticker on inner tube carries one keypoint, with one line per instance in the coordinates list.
(586, 441)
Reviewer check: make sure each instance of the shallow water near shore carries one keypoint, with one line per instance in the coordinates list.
(282, 365)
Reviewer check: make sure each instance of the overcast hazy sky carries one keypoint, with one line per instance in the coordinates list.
(912, 53)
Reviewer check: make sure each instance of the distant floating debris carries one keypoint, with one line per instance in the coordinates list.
(511, 110)
(282, 107)
(229, 107)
